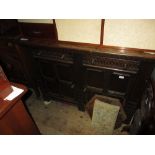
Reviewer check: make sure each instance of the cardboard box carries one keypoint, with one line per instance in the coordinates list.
(121, 115)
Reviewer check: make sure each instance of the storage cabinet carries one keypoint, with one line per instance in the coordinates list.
(73, 73)
(75, 76)
(109, 75)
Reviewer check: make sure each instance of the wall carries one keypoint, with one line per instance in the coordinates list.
(46, 21)
(79, 30)
(130, 33)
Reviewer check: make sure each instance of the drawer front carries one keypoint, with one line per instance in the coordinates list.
(53, 54)
(109, 62)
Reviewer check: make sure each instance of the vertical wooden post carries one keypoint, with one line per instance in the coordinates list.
(102, 32)
(56, 32)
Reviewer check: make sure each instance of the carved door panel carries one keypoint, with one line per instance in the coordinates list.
(65, 76)
(94, 82)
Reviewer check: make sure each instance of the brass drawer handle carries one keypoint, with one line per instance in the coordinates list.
(36, 32)
(62, 57)
(72, 86)
(10, 44)
(121, 74)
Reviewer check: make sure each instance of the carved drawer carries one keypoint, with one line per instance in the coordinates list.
(111, 62)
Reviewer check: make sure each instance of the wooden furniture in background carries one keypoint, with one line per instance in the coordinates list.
(39, 30)
(9, 27)
(14, 119)
(15, 64)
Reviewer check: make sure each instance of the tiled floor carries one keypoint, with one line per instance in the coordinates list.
(61, 119)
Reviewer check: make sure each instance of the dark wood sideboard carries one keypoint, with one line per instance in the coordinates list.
(74, 73)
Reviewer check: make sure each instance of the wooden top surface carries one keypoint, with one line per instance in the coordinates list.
(6, 105)
(84, 47)
(131, 52)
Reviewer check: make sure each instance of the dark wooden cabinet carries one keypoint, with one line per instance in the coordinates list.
(109, 75)
(75, 75)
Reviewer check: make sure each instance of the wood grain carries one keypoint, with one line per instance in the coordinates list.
(14, 119)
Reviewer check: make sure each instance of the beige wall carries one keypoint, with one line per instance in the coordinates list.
(47, 21)
(79, 30)
(130, 33)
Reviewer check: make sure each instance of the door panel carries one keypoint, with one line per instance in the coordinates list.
(67, 89)
(51, 85)
(65, 71)
(47, 68)
(94, 82)
(119, 83)
(65, 75)
(94, 78)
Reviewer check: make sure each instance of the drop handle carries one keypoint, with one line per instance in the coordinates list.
(39, 53)
(72, 86)
(121, 77)
(36, 32)
(125, 65)
(121, 74)
(10, 44)
(62, 57)
(92, 61)
(84, 90)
